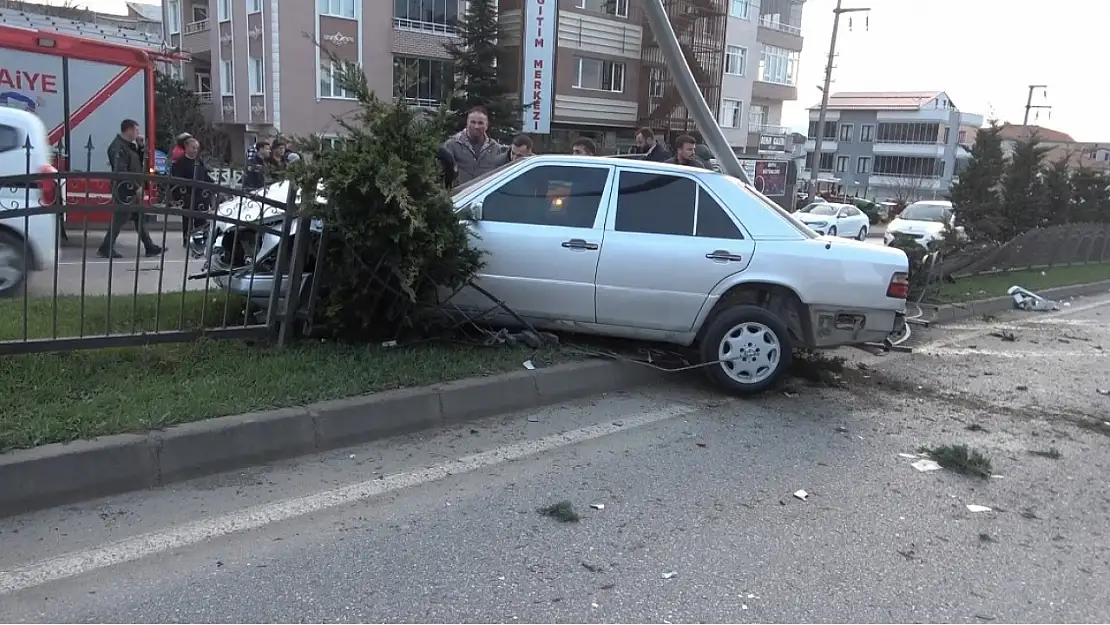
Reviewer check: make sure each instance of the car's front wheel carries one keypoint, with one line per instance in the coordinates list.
(13, 265)
(862, 234)
(750, 347)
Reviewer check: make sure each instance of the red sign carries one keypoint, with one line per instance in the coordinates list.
(28, 81)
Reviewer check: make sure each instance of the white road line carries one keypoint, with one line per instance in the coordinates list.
(994, 353)
(146, 545)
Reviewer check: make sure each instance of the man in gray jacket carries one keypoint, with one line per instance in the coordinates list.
(474, 152)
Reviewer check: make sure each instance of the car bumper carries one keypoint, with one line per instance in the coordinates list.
(836, 327)
(921, 239)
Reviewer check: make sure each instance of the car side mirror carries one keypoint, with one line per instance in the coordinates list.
(471, 212)
(841, 216)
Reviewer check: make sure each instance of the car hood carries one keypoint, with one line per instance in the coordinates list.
(910, 226)
(810, 218)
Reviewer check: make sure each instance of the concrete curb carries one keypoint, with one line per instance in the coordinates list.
(65, 473)
(996, 305)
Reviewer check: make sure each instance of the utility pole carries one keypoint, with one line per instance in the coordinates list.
(815, 170)
(1029, 106)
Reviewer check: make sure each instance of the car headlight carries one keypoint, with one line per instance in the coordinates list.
(818, 224)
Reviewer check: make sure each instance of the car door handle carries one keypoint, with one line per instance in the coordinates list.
(579, 244)
(724, 255)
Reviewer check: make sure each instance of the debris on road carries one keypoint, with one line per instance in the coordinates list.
(597, 506)
(975, 427)
(925, 465)
(593, 568)
(971, 507)
(563, 512)
(1052, 453)
(987, 538)
(961, 459)
(1025, 299)
(670, 574)
(1021, 387)
(908, 456)
(1005, 335)
(801, 494)
(529, 365)
(1102, 391)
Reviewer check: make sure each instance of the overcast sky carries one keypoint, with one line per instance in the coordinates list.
(983, 53)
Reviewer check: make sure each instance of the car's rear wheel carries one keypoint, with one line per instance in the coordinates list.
(832, 231)
(750, 347)
(862, 234)
(13, 265)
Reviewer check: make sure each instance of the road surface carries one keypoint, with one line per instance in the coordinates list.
(699, 522)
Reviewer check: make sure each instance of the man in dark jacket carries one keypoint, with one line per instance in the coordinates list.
(650, 147)
(257, 174)
(686, 153)
(187, 196)
(125, 155)
(474, 151)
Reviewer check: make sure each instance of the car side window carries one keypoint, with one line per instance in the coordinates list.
(550, 195)
(655, 204)
(852, 211)
(10, 138)
(713, 221)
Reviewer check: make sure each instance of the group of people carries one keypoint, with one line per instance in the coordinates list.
(472, 153)
(267, 164)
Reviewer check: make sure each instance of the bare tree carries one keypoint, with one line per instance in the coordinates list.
(907, 189)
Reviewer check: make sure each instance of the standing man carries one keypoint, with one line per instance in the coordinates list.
(257, 174)
(521, 148)
(583, 146)
(475, 153)
(188, 197)
(125, 155)
(686, 153)
(650, 147)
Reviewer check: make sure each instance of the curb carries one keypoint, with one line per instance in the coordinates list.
(996, 305)
(64, 473)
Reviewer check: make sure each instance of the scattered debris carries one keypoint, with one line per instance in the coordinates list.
(818, 367)
(597, 506)
(984, 617)
(528, 365)
(1051, 453)
(608, 586)
(801, 494)
(1030, 514)
(841, 429)
(1005, 335)
(389, 344)
(975, 427)
(1025, 299)
(971, 507)
(987, 538)
(703, 445)
(789, 395)
(1021, 387)
(925, 465)
(593, 568)
(594, 605)
(670, 574)
(563, 512)
(743, 606)
(907, 456)
(1102, 391)
(962, 459)
(533, 419)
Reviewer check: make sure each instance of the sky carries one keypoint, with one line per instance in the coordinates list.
(983, 53)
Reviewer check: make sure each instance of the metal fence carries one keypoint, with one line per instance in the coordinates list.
(215, 262)
(1054, 246)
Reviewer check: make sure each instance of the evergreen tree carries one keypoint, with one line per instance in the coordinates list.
(1023, 190)
(977, 195)
(1091, 194)
(177, 109)
(478, 79)
(1058, 188)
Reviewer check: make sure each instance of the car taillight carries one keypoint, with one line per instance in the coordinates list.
(48, 186)
(899, 286)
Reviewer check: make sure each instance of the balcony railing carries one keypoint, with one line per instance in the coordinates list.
(428, 27)
(196, 27)
(205, 97)
(766, 22)
(770, 129)
(430, 103)
(910, 141)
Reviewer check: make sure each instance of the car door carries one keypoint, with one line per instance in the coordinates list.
(542, 232)
(851, 221)
(668, 243)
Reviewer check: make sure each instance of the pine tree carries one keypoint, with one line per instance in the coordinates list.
(478, 73)
(1058, 187)
(1091, 193)
(977, 195)
(177, 109)
(1023, 190)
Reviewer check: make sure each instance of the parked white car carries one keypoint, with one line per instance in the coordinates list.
(659, 252)
(924, 222)
(26, 243)
(835, 220)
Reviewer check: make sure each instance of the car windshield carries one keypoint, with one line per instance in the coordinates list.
(821, 208)
(763, 199)
(927, 212)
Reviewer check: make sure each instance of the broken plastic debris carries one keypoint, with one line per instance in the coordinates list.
(1102, 391)
(597, 506)
(907, 456)
(352, 456)
(669, 574)
(925, 464)
(977, 508)
(389, 344)
(801, 494)
(1025, 299)
(594, 605)
(528, 365)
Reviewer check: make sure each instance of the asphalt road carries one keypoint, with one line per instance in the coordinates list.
(443, 526)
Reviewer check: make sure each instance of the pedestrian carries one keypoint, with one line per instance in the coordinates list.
(474, 152)
(189, 197)
(686, 148)
(257, 174)
(583, 146)
(125, 155)
(521, 148)
(179, 146)
(281, 153)
(648, 145)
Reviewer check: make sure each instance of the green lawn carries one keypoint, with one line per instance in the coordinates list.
(996, 284)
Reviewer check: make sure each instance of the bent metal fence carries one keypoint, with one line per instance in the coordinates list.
(197, 260)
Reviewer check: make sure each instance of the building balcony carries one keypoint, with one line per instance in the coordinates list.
(905, 148)
(196, 27)
(401, 23)
(905, 183)
(205, 97)
(827, 145)
(780, 92)
(768, 129)
(780, 35)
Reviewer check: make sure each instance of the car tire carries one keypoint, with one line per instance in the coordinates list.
(862, 234)
(832, 231)
(13, 265)
(767, 344)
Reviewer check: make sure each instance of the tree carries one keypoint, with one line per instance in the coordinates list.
(1023, 190)
(907, 189)
(1058, 191)
(177, 109)
(977, 195)
(478, 73)
(1091, 195)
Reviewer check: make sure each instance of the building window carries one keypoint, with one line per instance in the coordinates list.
(437, 16)
(741, 9)
(730, 113)
(617, 8)
(657, 85)
(826, 161)
(908, 132)
(227, 78)
(863, 165)
(200, 13)
(338, 8)
(830, 131)
(330, 72)
(257, 77)
(781, 15)
(173, 17)
(599, 75)
(203, 84)
(223, 10)
(961, 138)
(736, 58)
(778, 66)
(867, 133)
(908, 166)
(841, 164)
(254, 6)
(846, 131)
(422, 82)
(757, 116)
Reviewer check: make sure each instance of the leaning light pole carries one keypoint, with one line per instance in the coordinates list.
(692, 97)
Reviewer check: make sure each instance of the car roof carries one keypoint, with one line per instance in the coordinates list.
(944, 203)
(623, 161)
(20, 118)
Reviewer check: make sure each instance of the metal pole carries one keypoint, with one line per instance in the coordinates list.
(692, 97)
(1029, 103)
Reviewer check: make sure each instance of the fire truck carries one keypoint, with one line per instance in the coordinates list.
(81, 89)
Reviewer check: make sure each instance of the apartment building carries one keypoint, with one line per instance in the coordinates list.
(891, 144)
(1060, 145)
(762, 47)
